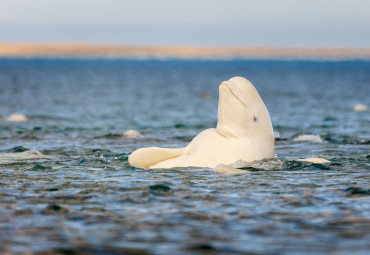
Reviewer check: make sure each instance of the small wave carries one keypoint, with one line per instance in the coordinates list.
(15, 149)
(357, 191)
(111, 136)
(128, 134)
(308, 138)
(343, 139)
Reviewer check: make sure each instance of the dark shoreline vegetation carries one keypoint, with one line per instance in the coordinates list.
(84, 198)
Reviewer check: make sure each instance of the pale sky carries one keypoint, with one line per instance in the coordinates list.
(338, 23)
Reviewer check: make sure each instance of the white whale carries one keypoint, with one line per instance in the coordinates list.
(16, 117)
(244, 132)
(131, 134)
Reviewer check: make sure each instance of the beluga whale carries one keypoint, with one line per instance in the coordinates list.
(243, 133)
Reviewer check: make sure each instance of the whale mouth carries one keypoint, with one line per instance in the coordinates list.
(232, 93)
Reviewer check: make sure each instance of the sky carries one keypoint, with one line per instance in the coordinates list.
(271, 23)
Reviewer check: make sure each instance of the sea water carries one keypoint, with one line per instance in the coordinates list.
(67, 187)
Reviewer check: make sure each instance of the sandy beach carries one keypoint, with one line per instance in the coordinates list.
(78, 50)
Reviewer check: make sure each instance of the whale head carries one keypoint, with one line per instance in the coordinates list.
(241, 111)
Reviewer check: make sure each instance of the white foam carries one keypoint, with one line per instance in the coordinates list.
(277, 134)
(6, 158)
(265, 164)
(308, 138)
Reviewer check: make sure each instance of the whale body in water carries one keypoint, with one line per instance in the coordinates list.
(244, 132)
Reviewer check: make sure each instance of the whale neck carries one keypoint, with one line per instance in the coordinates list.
(229, 132)
(227, 128)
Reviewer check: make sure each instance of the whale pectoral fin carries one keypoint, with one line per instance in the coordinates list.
(147, 157)
(181, 161)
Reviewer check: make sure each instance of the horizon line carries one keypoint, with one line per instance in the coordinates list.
(122, 50)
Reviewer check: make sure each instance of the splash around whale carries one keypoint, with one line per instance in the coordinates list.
(244, 132)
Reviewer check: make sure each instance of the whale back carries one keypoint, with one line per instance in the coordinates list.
(241, 111)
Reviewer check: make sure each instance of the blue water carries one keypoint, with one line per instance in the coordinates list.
(86, 199)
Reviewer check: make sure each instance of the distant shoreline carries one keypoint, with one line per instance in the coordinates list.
(76, 50)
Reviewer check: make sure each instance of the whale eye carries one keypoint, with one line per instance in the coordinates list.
(255, 119)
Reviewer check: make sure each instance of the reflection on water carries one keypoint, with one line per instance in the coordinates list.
(66, 186)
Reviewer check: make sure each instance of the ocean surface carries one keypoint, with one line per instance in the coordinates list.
(66, 186)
